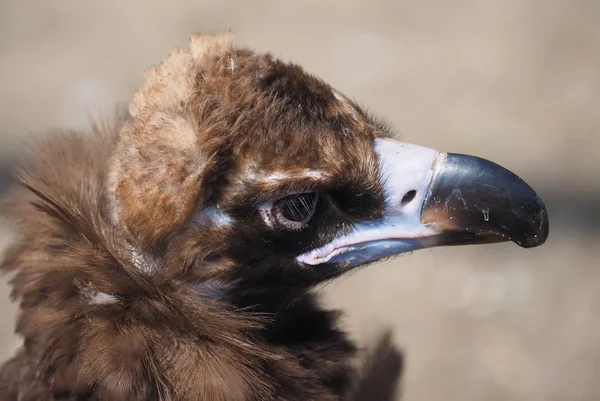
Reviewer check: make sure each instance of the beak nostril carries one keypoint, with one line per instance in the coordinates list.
(408, 197)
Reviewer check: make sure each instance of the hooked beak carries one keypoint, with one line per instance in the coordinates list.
(436, 199)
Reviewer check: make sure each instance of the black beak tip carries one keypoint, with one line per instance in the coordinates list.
(539, 229)
(483, 198)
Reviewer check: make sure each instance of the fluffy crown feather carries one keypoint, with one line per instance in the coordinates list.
(143, 168)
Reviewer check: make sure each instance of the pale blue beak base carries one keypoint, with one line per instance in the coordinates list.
(360, 254)
(404, 169)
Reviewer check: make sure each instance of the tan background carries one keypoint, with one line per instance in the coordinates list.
(514, 81)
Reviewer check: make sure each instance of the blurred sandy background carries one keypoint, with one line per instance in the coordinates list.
(514, 81)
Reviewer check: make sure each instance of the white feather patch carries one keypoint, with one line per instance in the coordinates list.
(92, 296)
(212, 215)
(278, 176)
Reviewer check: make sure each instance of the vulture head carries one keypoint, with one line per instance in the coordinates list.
(169, 256)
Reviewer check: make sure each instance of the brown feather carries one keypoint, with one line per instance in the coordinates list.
(111, 277)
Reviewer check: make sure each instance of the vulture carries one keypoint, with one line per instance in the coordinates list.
(171, 254)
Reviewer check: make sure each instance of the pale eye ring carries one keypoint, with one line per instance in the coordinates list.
(295, 211)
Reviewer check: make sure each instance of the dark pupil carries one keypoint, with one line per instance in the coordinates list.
(297, 207)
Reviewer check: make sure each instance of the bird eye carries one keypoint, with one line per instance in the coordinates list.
(295, 211)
